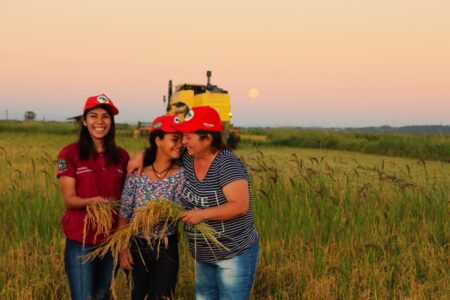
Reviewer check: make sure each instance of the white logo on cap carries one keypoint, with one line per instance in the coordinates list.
(102, 99)
(208, 124)
(189, 115)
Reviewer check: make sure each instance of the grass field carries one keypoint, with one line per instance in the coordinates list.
(332, 224)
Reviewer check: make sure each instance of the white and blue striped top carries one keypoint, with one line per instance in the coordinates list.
(238, 234)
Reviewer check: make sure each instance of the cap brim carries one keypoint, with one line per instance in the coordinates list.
(110, 108)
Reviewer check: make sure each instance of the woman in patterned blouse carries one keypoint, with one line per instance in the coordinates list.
(154, 270)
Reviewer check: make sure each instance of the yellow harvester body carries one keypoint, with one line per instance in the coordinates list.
(193, 95)
(188, 95)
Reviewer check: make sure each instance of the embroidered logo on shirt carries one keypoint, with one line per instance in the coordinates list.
(62, 165)
(84, 169)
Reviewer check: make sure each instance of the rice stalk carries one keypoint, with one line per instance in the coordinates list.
(116, 243)
(99, 216)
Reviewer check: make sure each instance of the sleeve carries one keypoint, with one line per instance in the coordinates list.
(231, 169)
(65, 163)
(178, 190)
(128, 198)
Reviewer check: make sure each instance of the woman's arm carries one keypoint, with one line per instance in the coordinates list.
(71, 200)
(136, 163)
(238, 201)
(126, 261)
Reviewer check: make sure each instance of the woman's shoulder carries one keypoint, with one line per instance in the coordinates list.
(123, 154)
(228, 161)
(134, 179)
(227, 155)
(122, 151)
(70, 149)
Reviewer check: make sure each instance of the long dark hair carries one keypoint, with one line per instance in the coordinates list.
(150, 152)
(87, 145)
(217, 142)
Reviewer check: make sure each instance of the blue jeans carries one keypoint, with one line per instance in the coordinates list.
(227, 279)
(87, 279)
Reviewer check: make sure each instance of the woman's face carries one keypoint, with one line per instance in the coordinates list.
(170, 145)
(98, 122)
(194, 145)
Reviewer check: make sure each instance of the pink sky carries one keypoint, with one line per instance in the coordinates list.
(319, 63)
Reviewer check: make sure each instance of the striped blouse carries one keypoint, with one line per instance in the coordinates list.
(237, 234)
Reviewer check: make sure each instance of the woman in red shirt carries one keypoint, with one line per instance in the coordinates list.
(92, 169)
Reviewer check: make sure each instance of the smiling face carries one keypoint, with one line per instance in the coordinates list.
(98, 122)
(170, 145)
(195, 145)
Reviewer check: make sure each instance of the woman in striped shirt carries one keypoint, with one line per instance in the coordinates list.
(217, 192)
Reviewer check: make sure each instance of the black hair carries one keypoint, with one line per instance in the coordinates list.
(216, 138)
(87, 145)
(150, 152)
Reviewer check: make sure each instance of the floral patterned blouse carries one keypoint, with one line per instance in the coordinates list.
(137, 191)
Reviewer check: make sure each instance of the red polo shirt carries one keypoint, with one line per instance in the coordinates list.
(93, 178)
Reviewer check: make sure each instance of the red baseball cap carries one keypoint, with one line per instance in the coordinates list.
(166, 123)
(100, 100)
(202, 118)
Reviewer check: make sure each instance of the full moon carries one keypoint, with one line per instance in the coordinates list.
(253, 93)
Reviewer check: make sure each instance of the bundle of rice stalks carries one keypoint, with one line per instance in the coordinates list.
(116, 243)
(165, 212)
(161, 211)
(99, 216)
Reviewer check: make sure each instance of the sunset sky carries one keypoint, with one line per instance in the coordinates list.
(345, 63)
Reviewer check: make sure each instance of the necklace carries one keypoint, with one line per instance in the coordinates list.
(163, 173)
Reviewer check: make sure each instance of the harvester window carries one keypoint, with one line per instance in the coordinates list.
(197, 89)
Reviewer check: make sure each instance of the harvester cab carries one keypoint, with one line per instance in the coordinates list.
(188, 95)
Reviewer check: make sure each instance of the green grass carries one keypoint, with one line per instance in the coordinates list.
(332, 224)
(436, 147)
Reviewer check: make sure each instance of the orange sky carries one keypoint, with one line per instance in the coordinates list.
(315, 63)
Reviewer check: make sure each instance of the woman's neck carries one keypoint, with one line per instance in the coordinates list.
(162, 163)
(206, 156)
(99, 145)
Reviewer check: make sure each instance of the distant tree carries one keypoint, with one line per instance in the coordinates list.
(30, 116)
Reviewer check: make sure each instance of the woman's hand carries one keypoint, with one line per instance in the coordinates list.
(192, 217)
(99, 199)
(136, 163)
(126, 261)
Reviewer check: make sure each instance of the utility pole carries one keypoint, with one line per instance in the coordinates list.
(6, 114)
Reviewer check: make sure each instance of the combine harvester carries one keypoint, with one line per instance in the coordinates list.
(189, 95)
